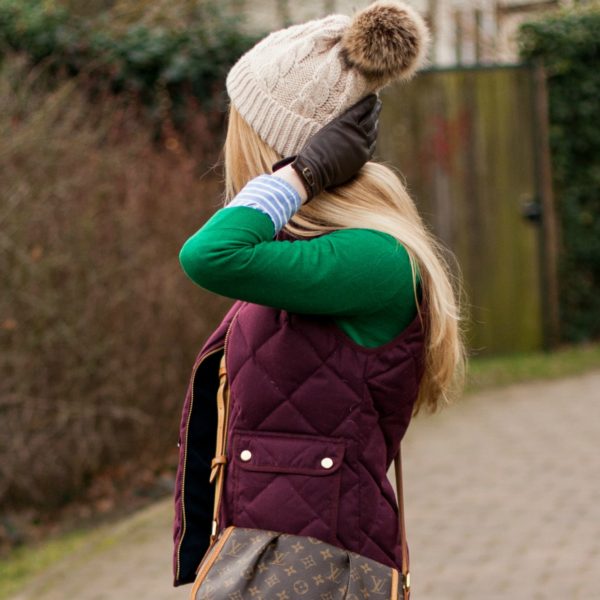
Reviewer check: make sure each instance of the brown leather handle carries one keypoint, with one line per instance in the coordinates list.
(402, 527)
(220, 460)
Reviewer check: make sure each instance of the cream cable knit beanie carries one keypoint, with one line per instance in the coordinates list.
(296, 80)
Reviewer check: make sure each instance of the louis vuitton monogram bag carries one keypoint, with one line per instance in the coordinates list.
(255, 564)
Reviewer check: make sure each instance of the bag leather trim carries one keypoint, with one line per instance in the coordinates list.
(207, 562)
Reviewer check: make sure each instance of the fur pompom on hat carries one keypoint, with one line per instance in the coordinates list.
(296, 80)
(387, 40)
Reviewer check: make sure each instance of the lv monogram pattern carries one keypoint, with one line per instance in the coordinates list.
(256, 564)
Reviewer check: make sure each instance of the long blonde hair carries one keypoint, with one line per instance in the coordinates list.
(374, 199)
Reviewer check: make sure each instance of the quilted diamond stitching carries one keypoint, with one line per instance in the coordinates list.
(289, 397)
(380, 376)
(297, 494)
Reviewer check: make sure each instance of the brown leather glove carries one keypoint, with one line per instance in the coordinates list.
(339, 150)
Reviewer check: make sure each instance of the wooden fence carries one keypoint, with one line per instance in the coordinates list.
(471, 144)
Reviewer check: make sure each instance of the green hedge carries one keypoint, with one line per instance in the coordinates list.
(145, 59)
(569, 45)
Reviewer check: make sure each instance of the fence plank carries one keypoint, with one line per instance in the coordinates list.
(464, 140)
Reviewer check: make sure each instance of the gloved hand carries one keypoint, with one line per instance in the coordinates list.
(339, 150)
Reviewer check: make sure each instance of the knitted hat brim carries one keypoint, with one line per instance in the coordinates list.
(283, 130)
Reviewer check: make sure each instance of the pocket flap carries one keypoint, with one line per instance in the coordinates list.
(287, 452)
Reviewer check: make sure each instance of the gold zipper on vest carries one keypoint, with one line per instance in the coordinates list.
(185, 440)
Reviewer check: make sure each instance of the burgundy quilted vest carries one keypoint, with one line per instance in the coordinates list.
(314, 425)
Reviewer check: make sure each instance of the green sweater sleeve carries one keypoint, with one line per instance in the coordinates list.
(349, 272)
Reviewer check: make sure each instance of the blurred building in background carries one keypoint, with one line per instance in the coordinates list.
(464, 31)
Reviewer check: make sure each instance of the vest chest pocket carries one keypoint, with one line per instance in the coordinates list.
(286, 482)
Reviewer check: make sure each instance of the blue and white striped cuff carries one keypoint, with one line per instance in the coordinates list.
(273, 196)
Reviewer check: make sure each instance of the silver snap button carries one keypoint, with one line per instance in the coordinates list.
(327, 462)
(246, 455)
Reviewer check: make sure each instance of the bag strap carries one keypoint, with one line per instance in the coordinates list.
(217, 465)
(404, 545)
(220, 460)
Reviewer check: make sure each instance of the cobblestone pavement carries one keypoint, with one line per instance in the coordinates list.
(502, 501)
(503, 495)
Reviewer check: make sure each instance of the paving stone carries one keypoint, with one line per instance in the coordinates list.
(502, 499)
(502, 502)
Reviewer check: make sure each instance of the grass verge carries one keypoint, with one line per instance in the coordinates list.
(25, 562)
(497, 371)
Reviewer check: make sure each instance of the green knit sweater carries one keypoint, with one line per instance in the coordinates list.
(362, 277)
